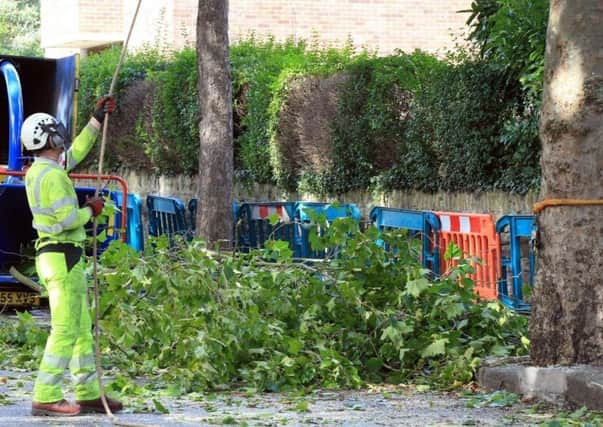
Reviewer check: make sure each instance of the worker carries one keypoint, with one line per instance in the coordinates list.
(59, 221)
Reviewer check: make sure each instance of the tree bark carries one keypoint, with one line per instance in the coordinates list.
(566, 325)
(214, 221)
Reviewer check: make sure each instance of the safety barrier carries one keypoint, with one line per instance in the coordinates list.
(421, 224)
(475, 235)
(253, 227)
(134, 228)
(168, 216)
(521, 231)
(303, 219)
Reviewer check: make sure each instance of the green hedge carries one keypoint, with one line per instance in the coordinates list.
(373, 113)
(260, 72)
(405, 121)
(457, 118)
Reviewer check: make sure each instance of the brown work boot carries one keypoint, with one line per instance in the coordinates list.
(62, 408)
(96, 405)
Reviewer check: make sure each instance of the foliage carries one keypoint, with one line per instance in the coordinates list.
(371, 119)
(172, 137)
(20, 27)
(21, 343)
(96, 73)
(580, 417)
(468, 131)
(520, 161)
(375, 114)
(496, 399)
(261, 71)
(200, 320)
(464, 111)
(511, 35)
(403, 121)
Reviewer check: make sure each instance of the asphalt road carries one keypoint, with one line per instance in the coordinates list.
(378, 406)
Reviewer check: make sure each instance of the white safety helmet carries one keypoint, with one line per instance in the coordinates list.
(38, 127)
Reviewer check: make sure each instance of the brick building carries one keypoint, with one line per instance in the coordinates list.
(80, 25)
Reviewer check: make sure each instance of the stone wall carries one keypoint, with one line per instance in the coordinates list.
(495, 203)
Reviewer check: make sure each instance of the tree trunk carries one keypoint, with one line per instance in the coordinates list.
(566, 324)
(214, 222)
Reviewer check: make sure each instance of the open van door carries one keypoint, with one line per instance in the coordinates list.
(31, 85)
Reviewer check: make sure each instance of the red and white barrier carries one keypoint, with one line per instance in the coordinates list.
(475, 235)
(265, 211)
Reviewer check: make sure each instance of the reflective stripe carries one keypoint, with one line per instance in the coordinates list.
(57, 228)
(67, 201)
(58, 362)
(84, 361)
(53, 229)
(42, 211)
(81, 379)
(49, 379)
(39, 184)
(70, 161)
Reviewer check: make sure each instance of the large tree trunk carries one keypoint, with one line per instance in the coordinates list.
(214, 222)
(566, 325)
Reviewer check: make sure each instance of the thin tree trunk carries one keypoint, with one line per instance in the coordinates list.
(566, 324)
(214, 222)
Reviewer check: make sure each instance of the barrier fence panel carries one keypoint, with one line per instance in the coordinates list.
(304, 221)
(475, 235)
(253, 228)
(424, 225)
(518, 261)
(134, 231)
(167, 215)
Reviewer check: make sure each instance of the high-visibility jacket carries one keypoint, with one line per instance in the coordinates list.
(51, 195)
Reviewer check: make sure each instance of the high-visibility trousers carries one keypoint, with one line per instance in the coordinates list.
(70, 341)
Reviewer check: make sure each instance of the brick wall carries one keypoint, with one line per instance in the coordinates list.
(106, 18)
(383, 25)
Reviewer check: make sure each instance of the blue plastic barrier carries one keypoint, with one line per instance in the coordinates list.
(304, 222)
(168, 216)
(253, 228)
(134, 228)
(426, 224)
(521, 229)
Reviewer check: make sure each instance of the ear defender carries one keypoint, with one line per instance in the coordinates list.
(57, 133)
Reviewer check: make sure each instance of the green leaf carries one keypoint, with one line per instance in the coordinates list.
(454, 310)
(294, 346)
(274, 219)
(436, 348)
(159, 407)
(453, 252)
(415, 287)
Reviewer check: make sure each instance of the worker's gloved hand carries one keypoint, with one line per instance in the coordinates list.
(105, 105)
(96, 204)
